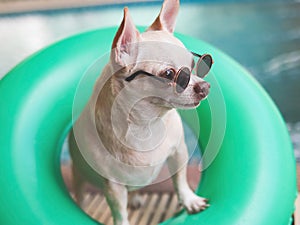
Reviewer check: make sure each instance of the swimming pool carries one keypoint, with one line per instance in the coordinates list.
(264, 37)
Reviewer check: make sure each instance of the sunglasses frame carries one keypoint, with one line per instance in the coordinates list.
(174, 80)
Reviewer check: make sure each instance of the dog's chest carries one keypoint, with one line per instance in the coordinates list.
(152, 144)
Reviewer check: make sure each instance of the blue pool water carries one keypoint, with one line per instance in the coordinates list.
(263, 37)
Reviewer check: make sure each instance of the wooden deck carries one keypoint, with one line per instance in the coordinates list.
(157, 208)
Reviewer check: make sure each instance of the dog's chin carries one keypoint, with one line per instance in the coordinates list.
(186, 105)
(177, 105)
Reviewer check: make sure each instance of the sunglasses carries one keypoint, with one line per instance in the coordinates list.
(182, 77)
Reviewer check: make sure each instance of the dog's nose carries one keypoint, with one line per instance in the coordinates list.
(201, 88)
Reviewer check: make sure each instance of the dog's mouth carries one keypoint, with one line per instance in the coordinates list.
(189, 105)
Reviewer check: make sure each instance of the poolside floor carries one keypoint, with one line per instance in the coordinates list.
(157, 208)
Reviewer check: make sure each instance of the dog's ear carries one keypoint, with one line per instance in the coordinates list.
(123, 44)
(166, 19)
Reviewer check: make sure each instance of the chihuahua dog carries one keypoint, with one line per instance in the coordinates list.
(130, 126)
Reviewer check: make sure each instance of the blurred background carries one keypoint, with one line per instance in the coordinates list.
(264, 36)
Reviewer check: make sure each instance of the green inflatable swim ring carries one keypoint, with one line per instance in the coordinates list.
(251, 181)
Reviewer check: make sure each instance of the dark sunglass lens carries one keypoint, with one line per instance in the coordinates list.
(204, 65)
(183, 79)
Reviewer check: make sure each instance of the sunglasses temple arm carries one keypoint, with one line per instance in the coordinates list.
(134, 75)
(196, 54)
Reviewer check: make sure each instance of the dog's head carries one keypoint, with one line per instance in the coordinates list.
(158, 63)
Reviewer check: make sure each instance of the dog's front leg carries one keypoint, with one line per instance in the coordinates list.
(116, 197)
(177, 164)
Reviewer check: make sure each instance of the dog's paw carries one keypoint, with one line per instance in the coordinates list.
(135, 201)
(194, 203)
